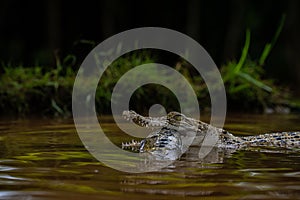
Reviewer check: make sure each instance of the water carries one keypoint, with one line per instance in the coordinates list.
(45, 159)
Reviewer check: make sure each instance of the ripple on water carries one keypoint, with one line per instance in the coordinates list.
(46, 160)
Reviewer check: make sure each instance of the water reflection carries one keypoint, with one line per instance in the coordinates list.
(46, 160)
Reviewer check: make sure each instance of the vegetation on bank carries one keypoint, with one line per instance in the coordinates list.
(40, 90)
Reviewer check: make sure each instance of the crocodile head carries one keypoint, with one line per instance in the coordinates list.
(173, 119)
(168, 137)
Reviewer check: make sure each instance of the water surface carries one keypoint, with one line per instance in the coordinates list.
(45, 159)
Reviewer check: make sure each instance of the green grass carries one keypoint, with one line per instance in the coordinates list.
(245, 80)
(32, 90)
(47, 91)
(41, 90)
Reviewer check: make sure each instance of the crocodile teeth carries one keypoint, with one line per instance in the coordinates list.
(133, 145)
(127, 118)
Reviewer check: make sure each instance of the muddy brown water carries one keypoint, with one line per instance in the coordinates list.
(45, 159)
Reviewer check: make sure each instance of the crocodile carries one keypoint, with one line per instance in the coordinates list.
(175, 128)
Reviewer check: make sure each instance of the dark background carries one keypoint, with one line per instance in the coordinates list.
(32, 30)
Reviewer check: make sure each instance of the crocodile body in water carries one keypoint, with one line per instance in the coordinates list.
(175, 129)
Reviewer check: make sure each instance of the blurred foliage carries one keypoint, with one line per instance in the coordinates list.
(48, 91)
(114, 72)
(246, 83)
(36, 90)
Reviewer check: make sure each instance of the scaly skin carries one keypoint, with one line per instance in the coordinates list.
(175, 124)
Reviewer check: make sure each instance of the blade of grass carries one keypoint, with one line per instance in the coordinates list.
(238, 88)
(255, 81)
(270, 45)
(56, 107)
(244, 53)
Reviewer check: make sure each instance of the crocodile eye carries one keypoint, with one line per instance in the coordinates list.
(175, 117)
(178, 117)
